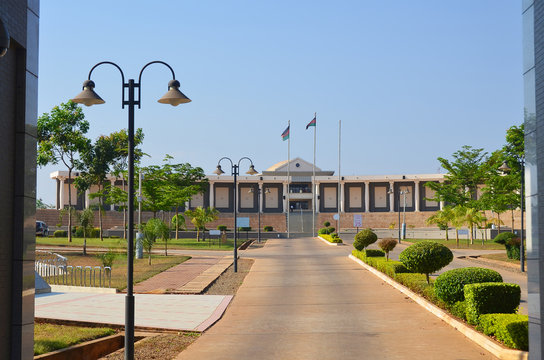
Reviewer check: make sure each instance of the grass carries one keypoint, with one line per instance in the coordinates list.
(183, 244)
(500, 257)
(142, 271)
(50, 337)
(463, 244)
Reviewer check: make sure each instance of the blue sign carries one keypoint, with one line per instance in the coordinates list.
(242, 222)
(463, 232)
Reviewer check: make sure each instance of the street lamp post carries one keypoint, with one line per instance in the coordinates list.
(404, 192)
(267, 191)
(506, 169)
(235, 168)
(89, 97)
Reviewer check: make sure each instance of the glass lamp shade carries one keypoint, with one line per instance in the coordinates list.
(88, 96)
(505, 168)
(218, 171)
(174, 97)
(251, 171)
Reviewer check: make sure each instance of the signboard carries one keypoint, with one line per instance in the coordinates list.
(463, 232)
(215, 232)
(357, 220)
(336, 217)
(242, 222)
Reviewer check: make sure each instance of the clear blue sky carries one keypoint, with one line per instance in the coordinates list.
(411, 80)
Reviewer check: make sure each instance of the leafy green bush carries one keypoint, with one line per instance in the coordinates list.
(491, 298)
(449, 286)
(387, 245)
(94, 233)
(326, 224)
(330, 230)
(504, 237)
(244, 228)
(60, 233)
(78, 232)
(223, 227)
(510, 329)
(426, 257)
(323, 231)
(329, 238)
(334, 235)
(374, 253)
(107, 258)
(364, 238)
(458, 309)
(268, 228)
(418, 283)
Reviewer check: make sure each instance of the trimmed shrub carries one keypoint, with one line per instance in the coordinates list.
(426, 257)
(268, 228)
(511, 242)
(374, 253)
(244, 228)
(107, 258)
(60, 233)
(329, 238)
(94, 233)
(387, 245)
(323, 231)
(458, 309)
(334, 235)
(490, 298)
(510, 329)
(326, 224)
(330, 230)
(390, 268)
(222, 227)
(449, 285)
(364, 238)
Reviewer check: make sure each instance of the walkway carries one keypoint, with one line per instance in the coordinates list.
(306, 300)
(177, 276)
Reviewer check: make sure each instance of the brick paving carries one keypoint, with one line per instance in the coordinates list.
(177, 276)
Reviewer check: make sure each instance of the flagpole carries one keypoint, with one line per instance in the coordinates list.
(339, 195)
(313, 181)
(288, 176)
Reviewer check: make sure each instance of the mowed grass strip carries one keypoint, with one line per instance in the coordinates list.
(142, 270)
(463, 244)
(500, 257)
(118, 243)
(51, 337)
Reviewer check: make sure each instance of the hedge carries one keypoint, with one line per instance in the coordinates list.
(458, 309)
(60, 233)
(374, 253)
(329, 238)
(510, 329)
(449, 285)
(490, 298)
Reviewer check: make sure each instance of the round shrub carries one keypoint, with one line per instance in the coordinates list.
(449, 286)
(323, 231)
(330, 230)
(387, 245)
(326, 224)
(268, 228)
(334, 235)
(426, 257)
(364, 238)
(504, 237)
(223, 227)
(60, 233)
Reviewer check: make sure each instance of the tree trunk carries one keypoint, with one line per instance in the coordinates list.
(512, 220)
(427, 276)
(447, 230)
(69, 205)
(457, 236)
(149, 259)
(471, 228)
(197, 234)
(165, 247)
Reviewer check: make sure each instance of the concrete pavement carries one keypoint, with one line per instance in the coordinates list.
(305, 300)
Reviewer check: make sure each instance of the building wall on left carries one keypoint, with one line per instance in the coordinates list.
(18, 104)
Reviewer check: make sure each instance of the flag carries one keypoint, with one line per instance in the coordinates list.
(285, 134)
(311, 123)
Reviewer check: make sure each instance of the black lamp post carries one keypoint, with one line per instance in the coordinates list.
(506, 169)
(391, 191)
(403, 192)
(267, 191)
(88, 97)
(235, 171)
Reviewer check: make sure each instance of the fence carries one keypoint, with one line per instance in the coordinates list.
(54, 270)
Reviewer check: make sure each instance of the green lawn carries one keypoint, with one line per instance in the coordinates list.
(185, 244)
(142, 270)
(501, 257)
(50, 337)
(463, 244)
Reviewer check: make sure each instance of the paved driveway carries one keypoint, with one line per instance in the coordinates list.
(306, 300)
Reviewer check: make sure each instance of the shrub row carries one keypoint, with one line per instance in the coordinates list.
(449, 286)
(490, 298)
(511, 242)
(331, 238)
(510, 329)
(326, 231)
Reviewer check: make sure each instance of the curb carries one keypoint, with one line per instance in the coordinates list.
(493, 347)
(329, 243)
(206, 278)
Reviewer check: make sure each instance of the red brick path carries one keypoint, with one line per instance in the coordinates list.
(177, 276)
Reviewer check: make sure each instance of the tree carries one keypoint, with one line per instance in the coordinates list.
(458, 220)
(86, 220)
(153, 229)
(182, 181)
(178, 223)
(61, 138)
(95, 165)
(466, 171)
(473, 217)
(442, 218)
(200, 217)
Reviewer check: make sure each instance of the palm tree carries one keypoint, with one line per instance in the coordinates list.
(200, 217)
(442, 218)
(473, 217)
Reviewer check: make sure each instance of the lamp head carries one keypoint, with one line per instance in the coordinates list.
(252, 171)
(505, 168)
(173, 96)
(390, 191)
(218, 171)
(88, 96)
